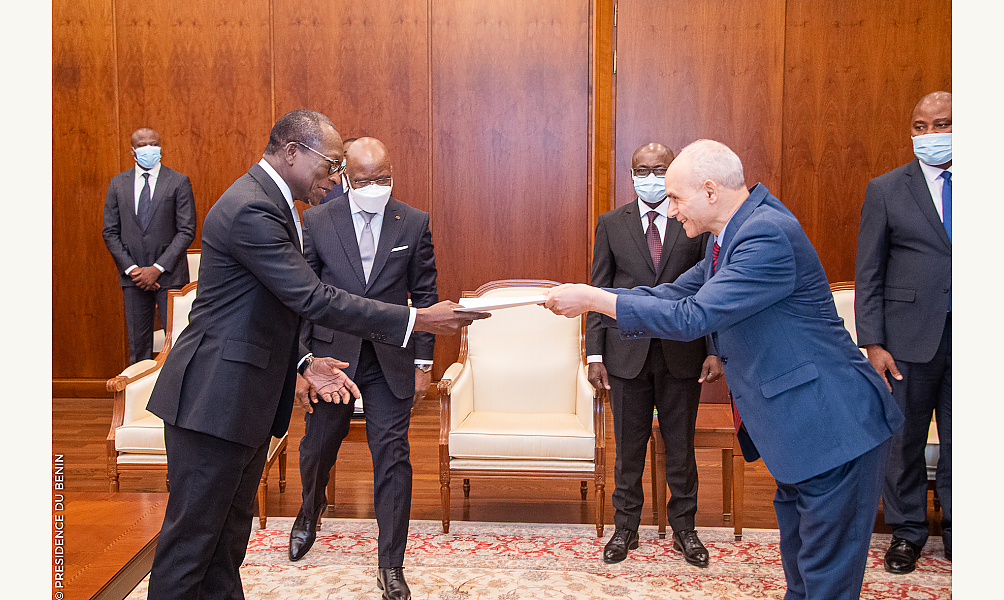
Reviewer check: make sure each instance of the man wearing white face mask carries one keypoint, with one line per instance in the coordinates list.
(149, 222)
(903, 315)
(372, 245)
(637, 244)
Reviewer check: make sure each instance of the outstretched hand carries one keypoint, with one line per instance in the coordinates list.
(442, 319)
(332, 385)
(573, 299)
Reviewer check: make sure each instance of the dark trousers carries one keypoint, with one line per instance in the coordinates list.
(925, 388)
(632, 401)
(139, 307)
(826, 525)
(208, 521)
(387, 421)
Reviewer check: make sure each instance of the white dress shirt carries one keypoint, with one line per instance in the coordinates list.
(137, 186)
(935, 183)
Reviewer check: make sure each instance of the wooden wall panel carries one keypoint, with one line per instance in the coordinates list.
(510, 134)
(690, 70)
(88, 333)
(366, 66)
(853, 73)
(200, 74)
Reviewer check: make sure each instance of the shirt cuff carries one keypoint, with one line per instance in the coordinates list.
(594, 358)
(419, 362)
(129, 270)
(305, 357)
(159, 267)
(411, 325)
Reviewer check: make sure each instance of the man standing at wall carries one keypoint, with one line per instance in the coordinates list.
(368, 243)
(149, 223)
(806, 400)
(228, 384)
(637, 244)
(903, 312)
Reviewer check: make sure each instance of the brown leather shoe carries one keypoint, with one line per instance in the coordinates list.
(392, 582)
(694, 552)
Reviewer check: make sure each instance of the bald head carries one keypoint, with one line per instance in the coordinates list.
(651, 155)
(366, 162)
(933, 114)
(144, 136)
(705, 186)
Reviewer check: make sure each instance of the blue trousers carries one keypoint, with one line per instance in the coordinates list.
(826, 524)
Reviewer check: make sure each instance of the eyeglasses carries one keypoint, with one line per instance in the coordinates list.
(644, 171)
(365, 182)
(333, 165)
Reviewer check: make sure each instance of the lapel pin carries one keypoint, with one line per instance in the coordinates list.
(398, 217)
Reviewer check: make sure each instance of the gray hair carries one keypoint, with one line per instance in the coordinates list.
(714, 161)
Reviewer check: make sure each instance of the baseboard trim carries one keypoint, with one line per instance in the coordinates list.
(79, 388)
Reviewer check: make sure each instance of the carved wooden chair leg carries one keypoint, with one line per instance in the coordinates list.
(262, 495)
(583, 490)
(282, 471)
(467, 488)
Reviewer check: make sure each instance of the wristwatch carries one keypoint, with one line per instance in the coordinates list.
(302, 368)
(425, 368)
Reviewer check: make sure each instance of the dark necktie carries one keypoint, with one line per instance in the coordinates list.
(367, 247)
(652, 236)
(946, 202)
(714, 257)
(143, 210)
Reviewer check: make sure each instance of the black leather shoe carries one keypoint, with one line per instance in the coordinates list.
(620, 542)
(694, 552)
(302, 536)
(392, 582)
(901, 557)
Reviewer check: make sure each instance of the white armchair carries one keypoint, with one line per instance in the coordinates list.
(550, 425)
(194, 258)
(135, 441)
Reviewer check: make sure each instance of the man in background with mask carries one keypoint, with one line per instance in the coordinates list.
(637, 244)
(149, 223)
(370, 244)
(903, 312)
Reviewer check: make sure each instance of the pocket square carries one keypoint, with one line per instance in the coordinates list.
(398, 248)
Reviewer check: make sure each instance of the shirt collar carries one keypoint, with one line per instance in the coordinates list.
(286, 193)
(154, 172)
(662, 208)
(932, 173)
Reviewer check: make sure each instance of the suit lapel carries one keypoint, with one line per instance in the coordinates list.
(163, 181)
(632, 221)
(127, 191)
(673, 228)
(917, 184)
(275, 195)
(390, 233)
(341, 222)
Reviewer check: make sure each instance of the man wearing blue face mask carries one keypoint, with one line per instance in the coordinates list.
(149, 222)
(903, 314)
(371, 244)
(637, 244)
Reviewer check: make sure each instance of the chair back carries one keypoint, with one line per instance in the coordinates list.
(194, 258)
(524, 359)
(843, 298)
(179, 304)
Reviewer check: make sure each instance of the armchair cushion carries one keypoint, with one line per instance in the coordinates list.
(522, 436)
(142, 436)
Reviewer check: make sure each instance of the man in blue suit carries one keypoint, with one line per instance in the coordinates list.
(806, 399)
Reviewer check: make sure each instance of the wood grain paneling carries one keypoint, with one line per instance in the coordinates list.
(200, 74)
(510, 132)
(691, 70)
(853, 73)
(88, 333)
(366, 66)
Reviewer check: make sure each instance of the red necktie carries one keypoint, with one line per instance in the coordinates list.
(652, 236)
(714, 257)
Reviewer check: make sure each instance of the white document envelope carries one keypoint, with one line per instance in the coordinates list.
(485, 304)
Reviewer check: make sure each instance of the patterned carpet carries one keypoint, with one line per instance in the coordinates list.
(481, 561)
